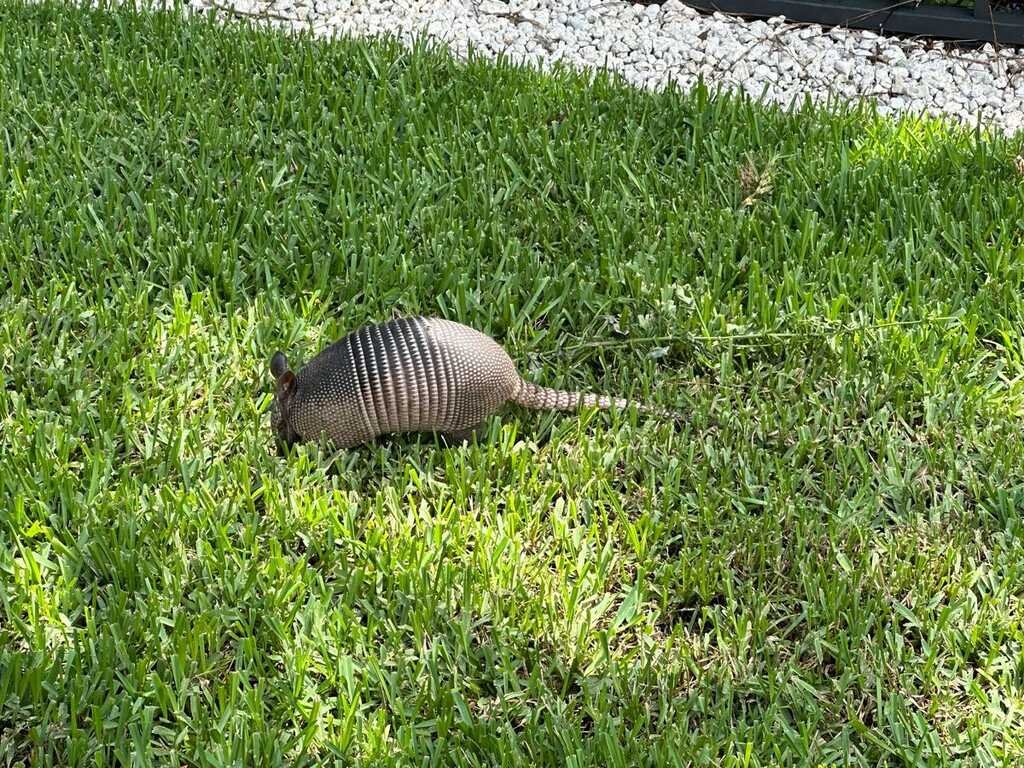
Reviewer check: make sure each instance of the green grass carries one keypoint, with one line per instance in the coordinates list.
(824, 566)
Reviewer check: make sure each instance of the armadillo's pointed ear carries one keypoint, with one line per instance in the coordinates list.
(286, 383)
(278, 365)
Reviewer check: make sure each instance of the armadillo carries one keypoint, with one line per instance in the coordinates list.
(409, 374)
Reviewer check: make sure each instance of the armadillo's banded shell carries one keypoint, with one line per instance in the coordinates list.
(408, 374)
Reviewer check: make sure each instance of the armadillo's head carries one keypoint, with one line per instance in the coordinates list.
(280, 422)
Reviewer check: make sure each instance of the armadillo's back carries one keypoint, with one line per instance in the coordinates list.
(407, 374)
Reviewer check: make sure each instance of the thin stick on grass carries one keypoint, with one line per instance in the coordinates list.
(758, 335)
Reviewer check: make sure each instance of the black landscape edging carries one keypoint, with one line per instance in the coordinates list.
(982, 24)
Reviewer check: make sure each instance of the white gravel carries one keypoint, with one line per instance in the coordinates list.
(650, 45)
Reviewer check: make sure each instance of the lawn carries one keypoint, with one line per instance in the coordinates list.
(823, 565)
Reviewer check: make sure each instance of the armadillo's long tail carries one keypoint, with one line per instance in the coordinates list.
(534, 396)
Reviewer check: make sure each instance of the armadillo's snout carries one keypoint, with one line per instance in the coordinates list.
(284, 436)
(279, 407)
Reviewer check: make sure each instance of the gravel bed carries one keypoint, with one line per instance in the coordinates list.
(649, 45)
